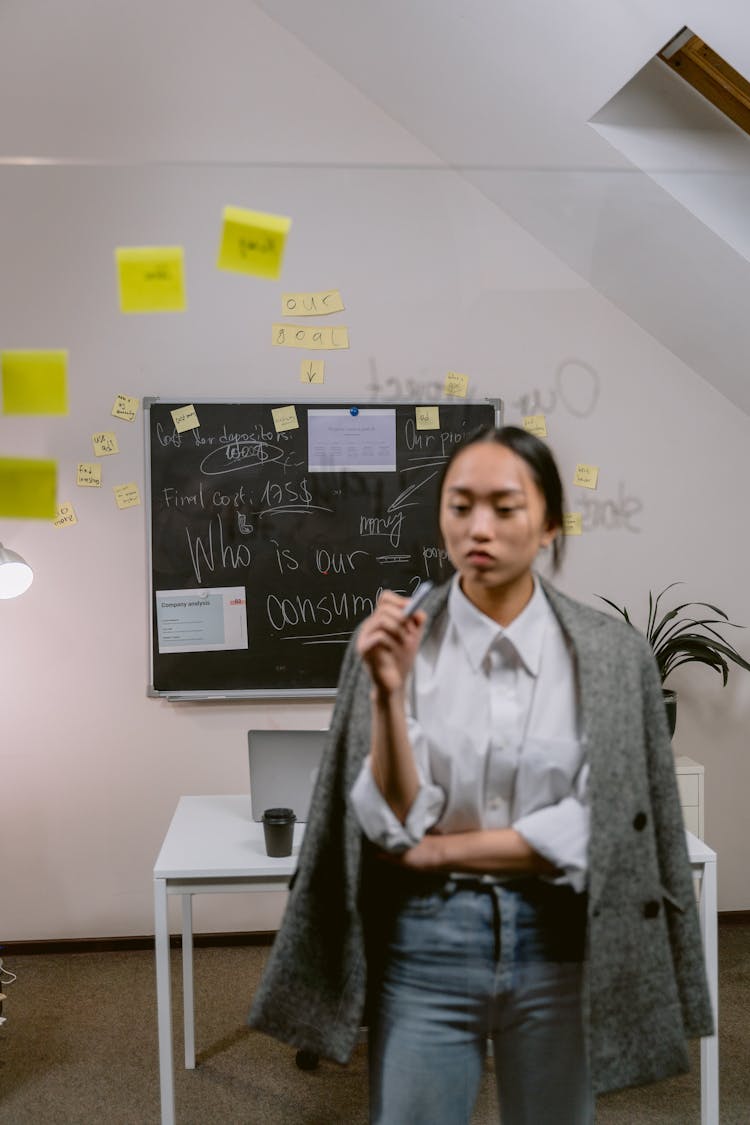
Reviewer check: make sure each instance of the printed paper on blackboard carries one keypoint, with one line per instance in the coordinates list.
(211, 620)
(343, 441)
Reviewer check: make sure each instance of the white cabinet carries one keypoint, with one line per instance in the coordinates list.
(690, 784)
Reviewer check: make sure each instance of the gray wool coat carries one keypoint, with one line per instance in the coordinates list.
(646, 990)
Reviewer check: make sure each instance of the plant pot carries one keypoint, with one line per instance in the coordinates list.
(670, 702)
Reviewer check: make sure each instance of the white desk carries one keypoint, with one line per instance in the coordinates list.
(213, 845)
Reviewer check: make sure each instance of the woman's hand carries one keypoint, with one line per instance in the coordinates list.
(428, 855)
(486, 851)
(388, 643)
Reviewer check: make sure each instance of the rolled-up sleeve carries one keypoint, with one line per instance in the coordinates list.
(378, 820)
(560, 833)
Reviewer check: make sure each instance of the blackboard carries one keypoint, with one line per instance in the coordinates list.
(280, 555)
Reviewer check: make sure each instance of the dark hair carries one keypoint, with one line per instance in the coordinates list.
(538, 457)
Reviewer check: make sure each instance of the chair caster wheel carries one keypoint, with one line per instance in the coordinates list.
(307, 1060)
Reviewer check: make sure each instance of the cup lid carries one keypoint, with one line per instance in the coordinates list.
(279, 815)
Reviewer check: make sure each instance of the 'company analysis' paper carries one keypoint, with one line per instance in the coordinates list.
(212, 620)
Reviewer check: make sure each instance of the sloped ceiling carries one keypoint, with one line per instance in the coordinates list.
(503, 91)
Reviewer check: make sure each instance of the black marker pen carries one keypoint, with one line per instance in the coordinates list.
(415, 602)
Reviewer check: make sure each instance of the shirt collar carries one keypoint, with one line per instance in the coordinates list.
(478, 632)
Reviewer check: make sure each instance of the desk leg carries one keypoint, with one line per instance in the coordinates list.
(710, 1045)
(164, 1002)
(188, 1001)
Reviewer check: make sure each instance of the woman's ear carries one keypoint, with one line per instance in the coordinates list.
(550, 533)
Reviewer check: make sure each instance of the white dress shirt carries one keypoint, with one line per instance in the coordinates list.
(492, 720)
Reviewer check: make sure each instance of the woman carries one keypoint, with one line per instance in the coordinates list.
(506, 756)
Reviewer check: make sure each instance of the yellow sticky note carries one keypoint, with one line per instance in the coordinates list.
(285, 418)
(151, 278)
(185, 418)
(65, 515)
(572, 523)
(456, 384)
(586, 476)
(35, 382)
(312, 371)
(535, 424)
(428, 417)
(126, 495)
(252, 242)
(105, 444)
(89, 474)
(28, 488)
(313, 337)
(125, 408)
(311, 304)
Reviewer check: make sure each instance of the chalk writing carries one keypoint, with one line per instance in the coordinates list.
(576, 388)
(234, 503)
(437, 555)
(388, 526)
(600, 514)
(205, 554)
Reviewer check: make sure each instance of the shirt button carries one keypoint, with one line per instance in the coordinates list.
(639, 821)
(651, 909)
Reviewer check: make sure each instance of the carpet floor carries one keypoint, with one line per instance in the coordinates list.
(79, 1047)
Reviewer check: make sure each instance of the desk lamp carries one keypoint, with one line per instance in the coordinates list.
(15, 575)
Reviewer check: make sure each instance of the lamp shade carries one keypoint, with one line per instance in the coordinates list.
(15, 574)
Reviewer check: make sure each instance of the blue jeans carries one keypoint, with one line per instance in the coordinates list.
(463, 962)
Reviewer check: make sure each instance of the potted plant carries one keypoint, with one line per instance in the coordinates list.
(681, 640)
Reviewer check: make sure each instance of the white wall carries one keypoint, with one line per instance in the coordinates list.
(434, 278)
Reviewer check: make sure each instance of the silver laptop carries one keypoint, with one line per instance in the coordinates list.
(283, 768)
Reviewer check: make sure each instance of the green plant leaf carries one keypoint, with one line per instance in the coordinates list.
(678, 609)
(621, 610)
(679, 640)
(692, 647)
(718, 665)
(658, 599)
(680, 627)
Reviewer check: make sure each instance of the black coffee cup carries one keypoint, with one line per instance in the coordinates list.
(278, 829)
